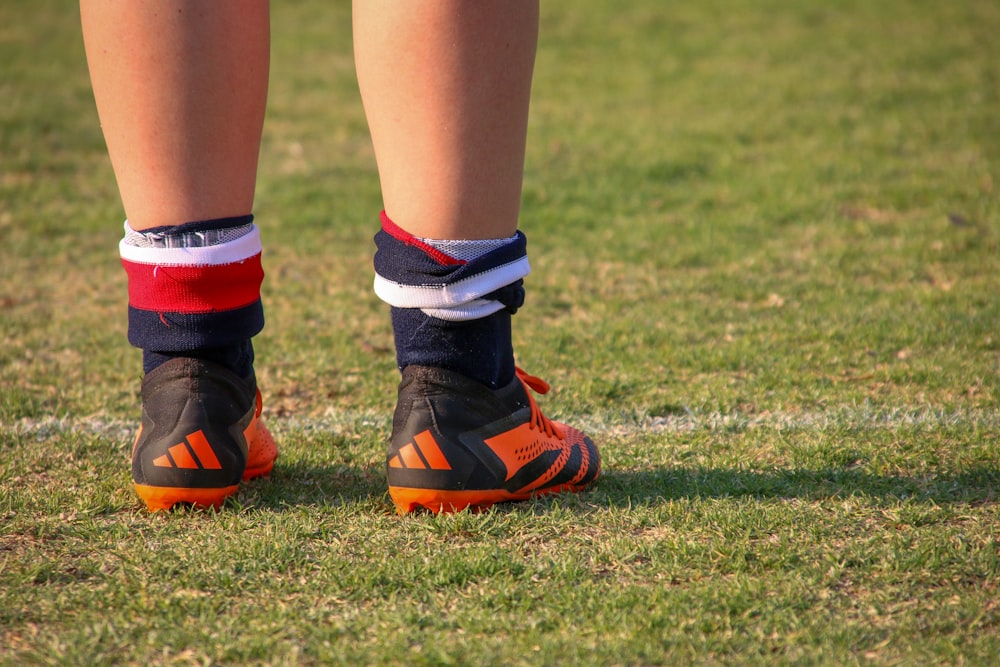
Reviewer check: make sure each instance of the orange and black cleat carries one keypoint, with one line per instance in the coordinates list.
(201, 433)
(456, 444)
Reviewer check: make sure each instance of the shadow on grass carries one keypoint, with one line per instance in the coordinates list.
(297, 484)
(621, 488)
(356, 479)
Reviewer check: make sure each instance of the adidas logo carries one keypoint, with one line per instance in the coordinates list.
(193, 454)
(423, 453)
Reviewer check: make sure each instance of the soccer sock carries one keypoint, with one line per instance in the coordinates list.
(194, 291)
(452, 300)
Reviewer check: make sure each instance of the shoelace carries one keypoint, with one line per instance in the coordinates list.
(538, 420)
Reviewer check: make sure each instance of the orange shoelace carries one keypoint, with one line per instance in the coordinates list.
(539, 421)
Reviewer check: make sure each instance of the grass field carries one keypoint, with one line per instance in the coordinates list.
(766, 241)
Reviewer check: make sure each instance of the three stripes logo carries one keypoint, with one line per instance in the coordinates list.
(423, 453)
(193, 454)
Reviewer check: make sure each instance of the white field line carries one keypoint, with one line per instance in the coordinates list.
(606, 426)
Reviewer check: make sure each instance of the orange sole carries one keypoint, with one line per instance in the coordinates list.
(158, 498)
(438, 501)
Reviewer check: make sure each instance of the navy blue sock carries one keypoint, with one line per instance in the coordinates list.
(237, 357)
(480, 349)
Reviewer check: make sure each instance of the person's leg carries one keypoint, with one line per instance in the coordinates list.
(446, 87)
(181, 87)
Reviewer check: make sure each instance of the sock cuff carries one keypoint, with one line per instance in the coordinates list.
(198, 226)
(410, 273)
(190, 298)
(194, 280)
(237, 249)
(190, 234)
(390, 228)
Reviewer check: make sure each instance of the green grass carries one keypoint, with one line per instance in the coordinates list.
(766, 240)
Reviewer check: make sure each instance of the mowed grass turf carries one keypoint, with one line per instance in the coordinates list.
(765, 240)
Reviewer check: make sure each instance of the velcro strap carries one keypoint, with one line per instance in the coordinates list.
(511, 296)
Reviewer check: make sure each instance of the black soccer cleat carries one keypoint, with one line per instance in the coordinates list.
(458, 444)
(200, 435)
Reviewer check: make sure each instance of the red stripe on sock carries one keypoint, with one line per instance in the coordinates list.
(194, 289)
(400, 234)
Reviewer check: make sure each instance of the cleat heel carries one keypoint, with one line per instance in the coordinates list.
(201, 434)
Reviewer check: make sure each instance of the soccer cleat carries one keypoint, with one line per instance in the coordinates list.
(458, 444)
(201, 433)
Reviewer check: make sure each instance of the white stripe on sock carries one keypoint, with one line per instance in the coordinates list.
(459, 293)
(231, 252)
